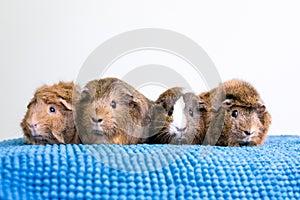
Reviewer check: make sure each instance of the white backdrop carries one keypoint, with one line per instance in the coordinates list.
(42, 42)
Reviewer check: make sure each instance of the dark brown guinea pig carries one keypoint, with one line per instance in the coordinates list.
(49, 117)
(111, 111)
(238, 116)
(182, 120)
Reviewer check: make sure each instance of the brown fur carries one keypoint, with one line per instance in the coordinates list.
(195, 127)
(225, 130)
(51, 128)
(124, 124)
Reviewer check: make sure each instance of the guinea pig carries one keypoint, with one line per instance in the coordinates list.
(49, 117)
(238, 117)
(110, 111)
(182, 121)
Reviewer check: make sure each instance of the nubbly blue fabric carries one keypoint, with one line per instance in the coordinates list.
(271, 171)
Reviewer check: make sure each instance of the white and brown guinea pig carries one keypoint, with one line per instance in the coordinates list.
(110, 111)
(244, 118)
(49, 117)
(182, 121)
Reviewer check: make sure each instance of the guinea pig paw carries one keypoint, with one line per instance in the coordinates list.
(244, 143)
(247, 143)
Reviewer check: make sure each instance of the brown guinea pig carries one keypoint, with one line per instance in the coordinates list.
(111, 111)
(49, 117)
(182, 121)
(238, 116)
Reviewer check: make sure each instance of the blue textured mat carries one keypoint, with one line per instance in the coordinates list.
(271, 171)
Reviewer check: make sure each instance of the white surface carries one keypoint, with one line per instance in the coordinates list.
(47, 41)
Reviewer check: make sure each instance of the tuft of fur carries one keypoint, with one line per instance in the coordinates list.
(99, 122)
(51, 128)
(225, 130)
(162, 118)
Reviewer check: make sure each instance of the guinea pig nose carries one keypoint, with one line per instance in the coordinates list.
(33, 125)
(180, 129)
(247, 132)
(97, 120)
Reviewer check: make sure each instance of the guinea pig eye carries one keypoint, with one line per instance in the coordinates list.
(191, 113)
(52, 110)
(113, 104)
(171, 111)
(234, 113)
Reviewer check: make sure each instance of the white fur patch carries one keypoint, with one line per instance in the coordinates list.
(179, 119)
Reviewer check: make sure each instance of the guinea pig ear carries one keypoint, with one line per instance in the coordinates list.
(166, 102)
(32, 101)
(163, 102)
(227, 103)
(66, 104)
(85, 94)
(138, 110)
(202, 105)
(261, 108)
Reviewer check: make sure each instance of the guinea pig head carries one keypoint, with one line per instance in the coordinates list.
(184, 121)
(188, 123)
(110, 112)
(243, 124)
(48, 121)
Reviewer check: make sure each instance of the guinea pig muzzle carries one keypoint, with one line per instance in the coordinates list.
(97, 123)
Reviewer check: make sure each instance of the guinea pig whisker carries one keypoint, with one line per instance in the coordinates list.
(158, 127)
(108, 130)
(166, 135)
(158, 120)
(162, 134)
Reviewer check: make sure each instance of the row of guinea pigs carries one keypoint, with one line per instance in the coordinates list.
(110, 111)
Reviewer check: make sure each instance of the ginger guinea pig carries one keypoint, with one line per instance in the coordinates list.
(111, 111)
(49, 117)
(182, 121)
(238, 116)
